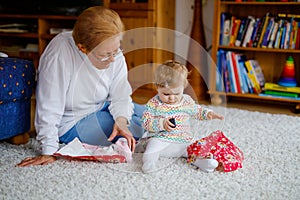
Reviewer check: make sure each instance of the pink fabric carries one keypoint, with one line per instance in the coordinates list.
(218, 146)
(116, 153)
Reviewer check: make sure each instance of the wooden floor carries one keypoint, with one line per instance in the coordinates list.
(142, 96)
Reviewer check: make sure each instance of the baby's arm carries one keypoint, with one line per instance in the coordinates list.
(150, 121)
(207, 114)
(213, 115)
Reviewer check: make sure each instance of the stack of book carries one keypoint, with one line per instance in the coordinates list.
(278, 91)
(271, 31)
(236, 74)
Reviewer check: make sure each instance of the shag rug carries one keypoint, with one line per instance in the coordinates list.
(270, 142)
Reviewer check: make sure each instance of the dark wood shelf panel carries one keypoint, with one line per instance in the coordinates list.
(28, 16)
(254, 96)
(271, 50)
(19, 35)
(260, 3)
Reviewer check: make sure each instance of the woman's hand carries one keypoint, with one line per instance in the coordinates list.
(38, 160)
(121, 129)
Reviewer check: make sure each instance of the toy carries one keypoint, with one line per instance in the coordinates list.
(172, 120)
(287, 78)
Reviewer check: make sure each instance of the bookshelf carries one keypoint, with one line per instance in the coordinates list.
(271, 60)
(30, 34)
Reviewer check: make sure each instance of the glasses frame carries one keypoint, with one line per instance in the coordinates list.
(108, 56)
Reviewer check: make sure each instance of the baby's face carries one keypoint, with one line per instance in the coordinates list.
(170, 95)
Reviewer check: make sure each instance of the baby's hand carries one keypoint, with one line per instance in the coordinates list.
(213, 115)
(169, 124)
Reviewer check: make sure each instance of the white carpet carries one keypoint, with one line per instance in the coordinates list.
(271, 145)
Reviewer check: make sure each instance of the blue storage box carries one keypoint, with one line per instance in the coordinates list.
(17, 80)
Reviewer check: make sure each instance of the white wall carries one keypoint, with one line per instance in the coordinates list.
(183, 24)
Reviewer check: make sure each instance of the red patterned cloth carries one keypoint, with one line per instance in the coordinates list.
(218, 146)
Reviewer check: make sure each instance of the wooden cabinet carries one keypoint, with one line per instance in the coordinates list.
(29, 34)
(144, 45)
(272, 60)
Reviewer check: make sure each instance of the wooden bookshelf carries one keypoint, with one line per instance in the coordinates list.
(271, 60)
(38, 34)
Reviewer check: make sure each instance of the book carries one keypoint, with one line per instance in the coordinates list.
(259, 30)
(268, 32)
(223, 17)
(281, 44)
(264, 27)
(276, 87)
(276, 96)
(249, 31)
(247, 80)
(234, 31)
(255, 75)
(292, 35)
(226, 32)
(279, 34)
(231, 75)
(258, 72)
(243, 73)
(287, 35)
(273, 35)
(280, 93)
(219, 81)
(236, 70)
(245, 30)
(297, 43)
(225, 74)
(255, 29)
(239, 36)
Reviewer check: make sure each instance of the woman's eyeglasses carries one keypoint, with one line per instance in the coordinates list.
(105, 58)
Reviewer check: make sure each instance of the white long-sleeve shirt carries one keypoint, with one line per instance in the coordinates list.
(69, 88)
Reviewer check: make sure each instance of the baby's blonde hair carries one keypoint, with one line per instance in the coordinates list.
(171, 74)
(96, 24)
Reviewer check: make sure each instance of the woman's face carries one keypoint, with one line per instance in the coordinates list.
(105, 53)
(170, 95)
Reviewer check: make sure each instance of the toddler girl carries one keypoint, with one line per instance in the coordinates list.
(167, 118)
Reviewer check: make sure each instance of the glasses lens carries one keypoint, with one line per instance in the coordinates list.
(111, 55)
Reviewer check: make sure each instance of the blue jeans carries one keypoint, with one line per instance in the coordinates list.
(96, 128)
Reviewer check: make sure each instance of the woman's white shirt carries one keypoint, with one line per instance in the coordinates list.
(70, 88)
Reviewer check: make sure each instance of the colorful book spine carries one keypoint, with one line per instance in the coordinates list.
(225, 72)
(249, 31)
(287, 35)
(244, 85)
(273, 35)
(283, 35)
(297, 43)
(226, 32)
(268, 32)
(259, 32)
(237, 78)
(276, 87)
(235, 31)
(279, 93)
(252, 77)
(265, 24)
(222, 21)
(238, 40)
(219, 81)
(255, 29)
(279, 34)
(276, 96)
(233, 87)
